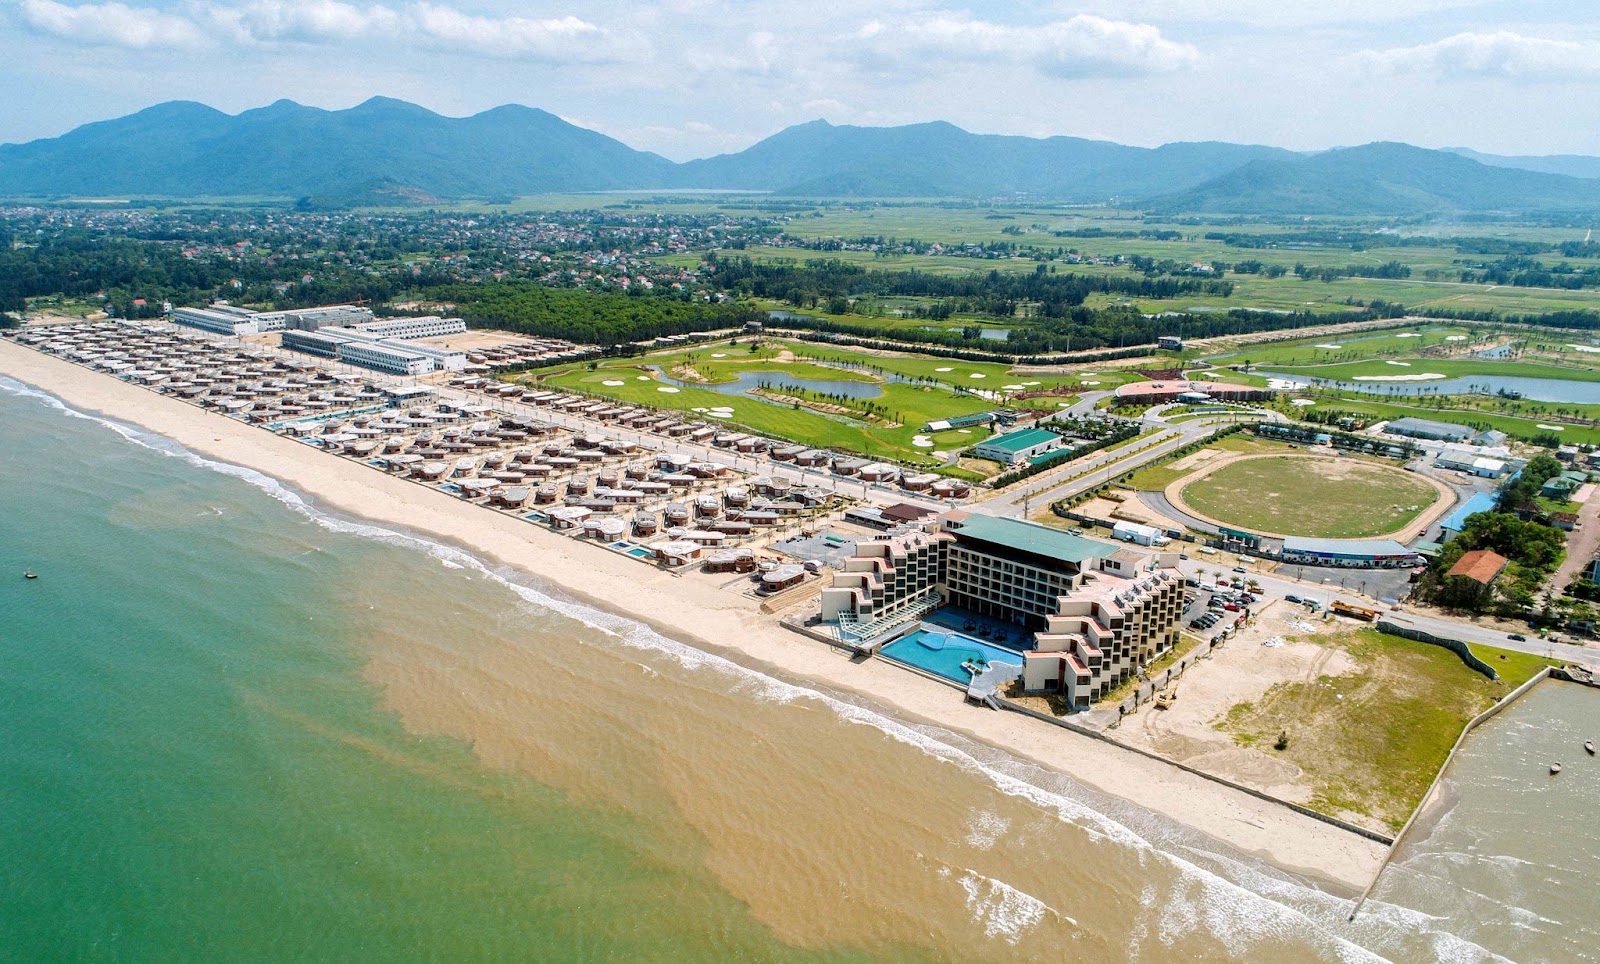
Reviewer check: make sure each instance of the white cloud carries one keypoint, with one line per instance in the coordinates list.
(110, 24)
(306, 20)
(1081, 46)
(1501, 55)
(1279, 13)
(558, 39)
(566, 39)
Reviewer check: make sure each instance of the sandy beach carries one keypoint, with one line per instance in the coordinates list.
(695, 610)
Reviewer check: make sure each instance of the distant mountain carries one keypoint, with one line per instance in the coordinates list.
(190, 150)
(1384, 179)
(389, 152)
(941, 160)
(1572, 165)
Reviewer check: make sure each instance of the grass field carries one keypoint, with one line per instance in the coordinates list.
(1330, 350)
(1371, 741)
(1310, 496)
(937, 389)
(1449, 368)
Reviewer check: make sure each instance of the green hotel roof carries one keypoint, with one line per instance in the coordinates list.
(1017, 441)
(1031, 537)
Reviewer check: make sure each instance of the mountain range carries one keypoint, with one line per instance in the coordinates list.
(392, 152)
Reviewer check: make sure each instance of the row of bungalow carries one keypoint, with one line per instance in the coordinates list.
(673, 426)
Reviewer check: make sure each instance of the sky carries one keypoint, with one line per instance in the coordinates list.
(691, 78)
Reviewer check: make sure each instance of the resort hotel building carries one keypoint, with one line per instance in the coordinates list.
(355, 347)
(1097, 612)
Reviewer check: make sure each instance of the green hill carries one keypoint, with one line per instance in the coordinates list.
(1382, 178)
(288, 150)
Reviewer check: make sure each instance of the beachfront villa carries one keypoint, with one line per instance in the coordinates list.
(1097, 612)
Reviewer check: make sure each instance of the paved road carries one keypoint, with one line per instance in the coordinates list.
(1279, 585)
(1583, 543)
(1082, 475)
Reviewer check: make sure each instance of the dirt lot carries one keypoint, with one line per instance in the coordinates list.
(1241, 671)
(1369, 718)
(472, 340)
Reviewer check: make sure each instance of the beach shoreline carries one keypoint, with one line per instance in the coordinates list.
(693, 610)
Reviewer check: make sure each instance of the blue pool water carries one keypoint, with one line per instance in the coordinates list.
(943, 653)
(640, 552)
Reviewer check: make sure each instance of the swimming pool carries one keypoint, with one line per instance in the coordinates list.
(943, 653)
(640, 552)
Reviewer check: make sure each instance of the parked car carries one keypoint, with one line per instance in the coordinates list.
(1246, 598)
(1231, 607)
(1291, 597)
(1240, 569)
(1518, 637)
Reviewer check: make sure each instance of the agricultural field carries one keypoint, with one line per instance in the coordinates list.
(1314, 496)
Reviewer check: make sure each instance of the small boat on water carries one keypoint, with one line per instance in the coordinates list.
(1555, 768)
(1588, 747)
(30, 574)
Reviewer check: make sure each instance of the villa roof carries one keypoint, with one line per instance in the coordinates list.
(1479, 565)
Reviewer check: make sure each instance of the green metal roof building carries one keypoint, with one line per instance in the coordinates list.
(1014, 447)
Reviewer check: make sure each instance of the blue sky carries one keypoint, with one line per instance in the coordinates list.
(689, 78)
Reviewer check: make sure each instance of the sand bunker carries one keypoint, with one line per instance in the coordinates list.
(944, 369)
(1402, 364)
(668, 389)
(1553, 428)
(1586, 348)
(977, 375)
(719, 354)
(1330, 347)
(613, 383)
(1455, 337)
(1303, 402)
(1409, 334)
(922, 441)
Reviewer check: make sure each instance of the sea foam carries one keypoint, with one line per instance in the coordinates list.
(1256, 903)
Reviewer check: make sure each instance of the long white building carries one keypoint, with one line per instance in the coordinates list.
(359, 348)
(311, 319)
(429, 326)
(218, 319)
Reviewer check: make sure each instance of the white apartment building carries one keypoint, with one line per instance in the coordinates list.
(430, 326)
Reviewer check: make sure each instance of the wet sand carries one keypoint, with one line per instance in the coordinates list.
(693, 609)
